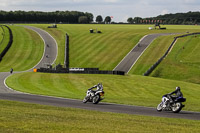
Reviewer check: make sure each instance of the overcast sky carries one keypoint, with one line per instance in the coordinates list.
(119, 9)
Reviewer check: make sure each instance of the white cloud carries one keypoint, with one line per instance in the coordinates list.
(111, 1)
(164, 12)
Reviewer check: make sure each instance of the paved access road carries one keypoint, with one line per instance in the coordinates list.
(127, 63)
(51, 50)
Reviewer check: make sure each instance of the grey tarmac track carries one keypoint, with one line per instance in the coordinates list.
(130, 59)
(51, 50)
(104, 107)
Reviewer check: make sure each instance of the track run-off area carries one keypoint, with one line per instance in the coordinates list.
(50, 55)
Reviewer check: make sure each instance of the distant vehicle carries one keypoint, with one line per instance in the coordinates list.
(175, 107)
(94, 96)
(53, 26)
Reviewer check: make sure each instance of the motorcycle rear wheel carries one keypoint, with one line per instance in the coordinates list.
(96, 99)
(177, 107)
(159, 107)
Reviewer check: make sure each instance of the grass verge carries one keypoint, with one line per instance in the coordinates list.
(39, 118)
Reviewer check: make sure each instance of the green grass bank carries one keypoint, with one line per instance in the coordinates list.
(25, 52)
(4, 37)
(103, 50)
(131, 89)
(38, 118)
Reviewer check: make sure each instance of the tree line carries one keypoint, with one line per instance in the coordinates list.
(181, 18)
(71, 17)
(189, 18)
(50, 17)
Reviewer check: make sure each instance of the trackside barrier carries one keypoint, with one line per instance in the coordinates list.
(150, 70)
(9, 43)
(80, 71)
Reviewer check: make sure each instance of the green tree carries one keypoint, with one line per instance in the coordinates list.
(99, 19)
(89, 16)
(130, 20)
(107, 20)
(137, 20)
(83, 20)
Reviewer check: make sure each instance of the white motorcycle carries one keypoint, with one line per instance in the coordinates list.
(94, 96)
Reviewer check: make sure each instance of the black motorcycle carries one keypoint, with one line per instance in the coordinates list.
(175, 107)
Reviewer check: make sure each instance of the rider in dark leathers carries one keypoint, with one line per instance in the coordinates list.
(177, 93)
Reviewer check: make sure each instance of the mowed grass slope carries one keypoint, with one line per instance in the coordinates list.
(25, 52)
(39, 118)
(4, 38)
(103, 50)
(1, 33)
(183, 61)
(132, 89)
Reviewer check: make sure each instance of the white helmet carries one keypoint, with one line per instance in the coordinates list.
(178, 88)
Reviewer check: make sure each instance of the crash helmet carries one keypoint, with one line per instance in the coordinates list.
(100, 86)
(178, 88)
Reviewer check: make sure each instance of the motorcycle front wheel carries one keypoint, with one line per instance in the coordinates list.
(85, 100)
(177, 107)
(96, 99)
(159, 107)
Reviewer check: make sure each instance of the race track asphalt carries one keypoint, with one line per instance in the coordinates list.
(104, 107)
(51, 50)
(130, 59)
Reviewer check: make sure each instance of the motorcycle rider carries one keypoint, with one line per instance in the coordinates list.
(98, 86)
(175, 94)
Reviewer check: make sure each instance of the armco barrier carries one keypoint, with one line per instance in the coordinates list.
(9, 43)
(80, 71)
(150, 70)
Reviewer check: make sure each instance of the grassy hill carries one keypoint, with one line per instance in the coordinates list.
(183, 62)
(25, 52)
(103, 50)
